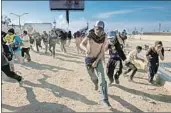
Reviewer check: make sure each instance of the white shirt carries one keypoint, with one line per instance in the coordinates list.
(26, 41)
(131, 56)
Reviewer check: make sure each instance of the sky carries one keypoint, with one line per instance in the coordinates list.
(116, 14)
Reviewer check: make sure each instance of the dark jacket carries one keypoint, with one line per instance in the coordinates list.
(4, 60)
(116, 49)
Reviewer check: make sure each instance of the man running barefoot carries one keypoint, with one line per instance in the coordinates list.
(94, 46)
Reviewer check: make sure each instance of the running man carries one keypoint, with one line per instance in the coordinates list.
(132, 56)
(52, 42)
(45, 38)
(77, 36)
(94, 46)
(26, 46)
(69, 37)
(5, 67)
(38, 41)
(63, 38)
(153, 55)
(15, 43)
(116, 56)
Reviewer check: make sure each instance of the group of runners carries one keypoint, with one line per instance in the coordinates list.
(93, 44)
(97, 42)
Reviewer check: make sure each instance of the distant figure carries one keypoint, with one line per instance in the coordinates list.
(123, 37)
(153, 55)
(38, 41)
(26, 46)
(7, 51)
(45, 38)
(52, 42)
(78, 41)
(31, 40)
(63, 38)
(146, 47)
(69, 37)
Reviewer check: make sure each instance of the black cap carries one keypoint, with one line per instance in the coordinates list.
(158, 42)
(11, 31)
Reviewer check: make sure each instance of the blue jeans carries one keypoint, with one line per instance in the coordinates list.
(98, 77)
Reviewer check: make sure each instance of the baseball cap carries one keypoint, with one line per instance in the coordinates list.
(111, 34)
(100, 24)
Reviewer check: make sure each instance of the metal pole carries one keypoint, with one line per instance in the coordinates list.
(19, 16)
(67, 16)
(19, 22)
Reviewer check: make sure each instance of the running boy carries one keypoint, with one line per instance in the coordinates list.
(130, 64)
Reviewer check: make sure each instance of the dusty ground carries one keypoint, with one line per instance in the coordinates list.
(62, 84)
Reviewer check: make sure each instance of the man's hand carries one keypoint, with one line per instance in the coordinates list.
(87, 51)
(159, 50)
(94, 64)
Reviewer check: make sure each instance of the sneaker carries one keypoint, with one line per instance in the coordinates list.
(29, 60)
(111, 82)
(125, 75)
(117, 81)
(150, 81)
(106, 103)
(21, 82)
(130, 80)
(96, 87)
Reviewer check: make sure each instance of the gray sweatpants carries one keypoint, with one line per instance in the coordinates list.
(99, 77)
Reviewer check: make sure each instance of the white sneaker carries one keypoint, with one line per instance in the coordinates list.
(21, 82)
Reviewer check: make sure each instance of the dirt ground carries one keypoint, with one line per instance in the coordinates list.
(62, 84)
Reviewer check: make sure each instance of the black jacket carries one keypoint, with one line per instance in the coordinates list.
(117, 48)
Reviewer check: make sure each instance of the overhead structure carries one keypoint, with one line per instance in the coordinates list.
(67, 5)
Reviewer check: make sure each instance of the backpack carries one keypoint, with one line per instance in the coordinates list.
(16, 46)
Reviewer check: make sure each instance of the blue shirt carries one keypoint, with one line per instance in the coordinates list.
(17, 41)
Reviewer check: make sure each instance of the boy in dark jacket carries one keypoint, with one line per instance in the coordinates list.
(116, 56)
(153, 55)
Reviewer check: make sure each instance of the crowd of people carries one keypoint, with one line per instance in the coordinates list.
(93, 44)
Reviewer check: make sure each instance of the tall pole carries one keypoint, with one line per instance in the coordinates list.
(19, 17)
(19, 23)
(159, 27)
(67, 16)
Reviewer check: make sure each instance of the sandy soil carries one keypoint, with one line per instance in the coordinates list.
(62, 84)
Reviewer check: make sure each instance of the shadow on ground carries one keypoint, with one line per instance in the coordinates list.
(141, 78)
(161, 98)
(165, 64)
(39, 66)
(36, 106)
(59, 91)
(73, 61)
(141, 83)
(60, 54)
(125, 104)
